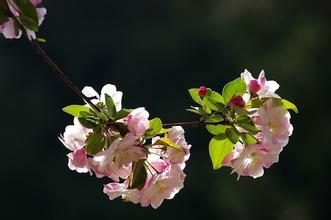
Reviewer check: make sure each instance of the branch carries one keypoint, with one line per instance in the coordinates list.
(37, 48)
(194, 124)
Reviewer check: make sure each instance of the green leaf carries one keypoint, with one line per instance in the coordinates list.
(215, 118)
(213, 105)
(95, 142)
(139, 175)
(155, 126)
(122, 113)
(248, 138)
(75, 110)
(232, 135)
(111, 108)
(241, 111)
(168, 143)
(219, 147)
(246, 123)
(41, 40)
(29, 14)
(164, 130)
(216, 129)
(194, 111)
(28, 23)
(195, 95)
(216, 97)
(89, 120)
(236, 87)
(289, 105)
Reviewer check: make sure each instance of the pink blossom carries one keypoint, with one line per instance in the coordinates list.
(129, 150)
(35, 2)
(115, 190)
(8, 28)
(108, 89)
(163, 186)
(74, 136)
(274, 122)
(250, 160)
(260, 86)
(138, 121)
(103, 164)
(78, 161)
(176, 135)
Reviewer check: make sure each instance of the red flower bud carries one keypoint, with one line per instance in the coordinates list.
(238, 101)
(202, 91)
(254, 86)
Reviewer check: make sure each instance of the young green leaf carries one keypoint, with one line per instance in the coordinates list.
(216, 97)
(95, 142)
(242, 111)
(219, 147)
(122, 114)
(195, 95)
(111, 108)
(246, 123)
(155, 126)
(236, 87)
(28, 10)
(194, 111)
(89, 120)
(213, 105)
(289, 105)
(216, 129)
(75, 110)
(168, 143)
(139, 175)
(41, 40)
(232, 135)
(254, 103)
(248, 138)
(29, 23)
(214, 118)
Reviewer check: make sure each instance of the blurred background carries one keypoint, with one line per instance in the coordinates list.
(153, 51)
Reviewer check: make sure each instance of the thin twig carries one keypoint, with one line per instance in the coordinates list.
(193, 124)
(60, 73)
(37, 48)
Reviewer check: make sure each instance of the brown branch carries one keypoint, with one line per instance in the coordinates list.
(37, 48)
(185, 124)
(56, 69)
(194, 124)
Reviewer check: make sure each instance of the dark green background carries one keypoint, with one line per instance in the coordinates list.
(154, 50)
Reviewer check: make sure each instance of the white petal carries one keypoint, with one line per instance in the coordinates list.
(273, 85)
(90, 92)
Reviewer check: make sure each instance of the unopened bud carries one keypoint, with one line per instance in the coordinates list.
(202, 91)
(238, 101)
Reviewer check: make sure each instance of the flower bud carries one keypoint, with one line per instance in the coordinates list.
(254, 86)
(202, 91)
(238, 101)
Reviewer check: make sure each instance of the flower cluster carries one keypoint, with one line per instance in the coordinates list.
(274, 129)
(144, 160)
(249, 121)
(18, 14)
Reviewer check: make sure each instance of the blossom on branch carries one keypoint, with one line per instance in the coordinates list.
(18, 14)
(144, 160)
